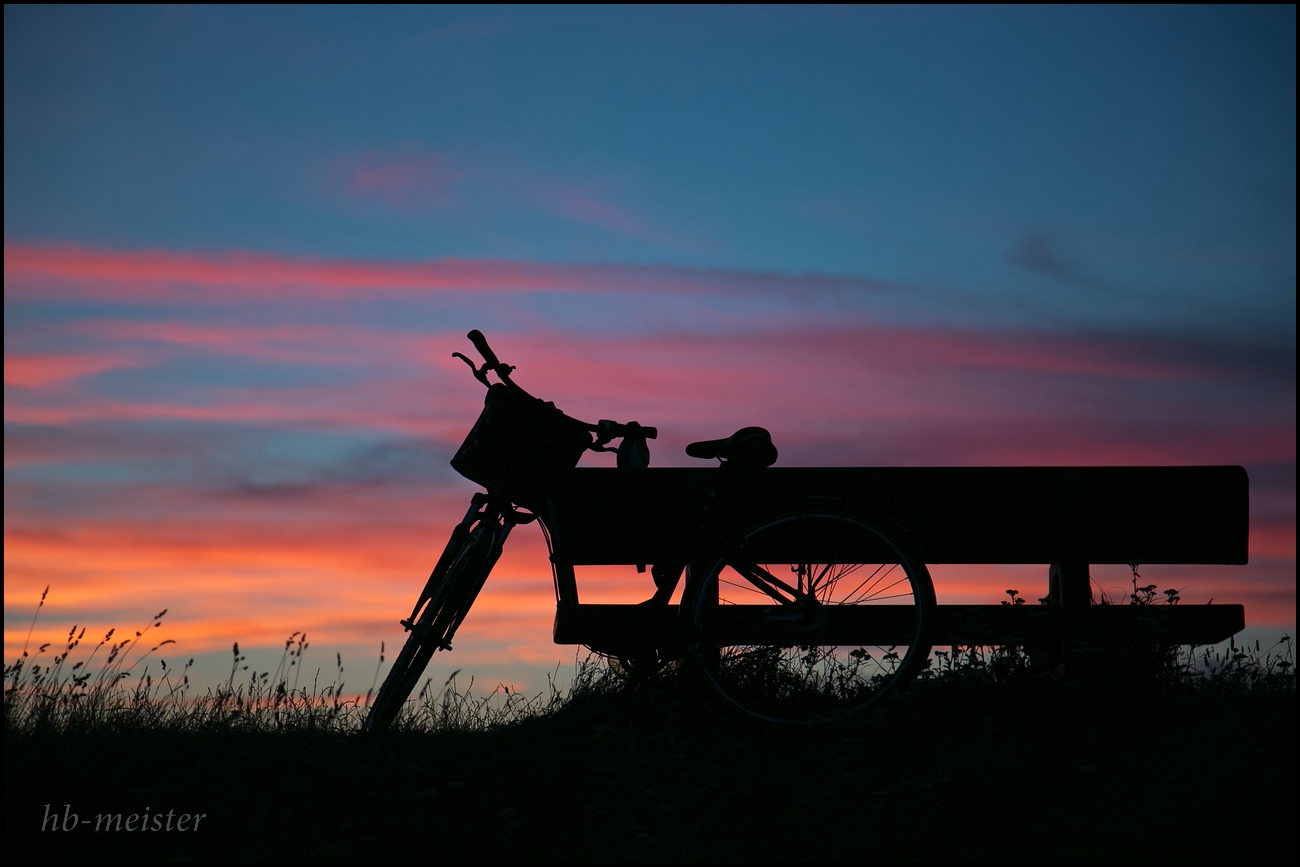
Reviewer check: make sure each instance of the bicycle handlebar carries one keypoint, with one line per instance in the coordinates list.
(480, 343)
(490, 360)
(607, 430)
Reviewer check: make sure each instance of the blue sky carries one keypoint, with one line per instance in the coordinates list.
(1115, 158)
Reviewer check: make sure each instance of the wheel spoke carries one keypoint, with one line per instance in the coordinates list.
(867, 579)
(775, 674)
(749, 588)
(870, 593)
(891, 596)
(839, 576)
(875, 594)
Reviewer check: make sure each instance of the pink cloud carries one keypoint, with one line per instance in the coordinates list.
(870, 395)
(304, 344)
(414, 180)
(287, 409)
(581, 205)
(402, 181)
(45, 370)
(43, 272)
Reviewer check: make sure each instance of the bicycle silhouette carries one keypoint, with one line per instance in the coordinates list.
(807, 596)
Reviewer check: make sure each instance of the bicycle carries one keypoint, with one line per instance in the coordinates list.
(781, 585)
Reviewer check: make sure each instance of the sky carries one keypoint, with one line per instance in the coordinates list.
(241, 245)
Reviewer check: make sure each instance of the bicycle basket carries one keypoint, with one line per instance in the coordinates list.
(515, 431)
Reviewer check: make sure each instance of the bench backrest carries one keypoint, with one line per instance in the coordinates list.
(952, 514)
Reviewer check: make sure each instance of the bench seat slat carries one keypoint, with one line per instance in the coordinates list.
(610, 627)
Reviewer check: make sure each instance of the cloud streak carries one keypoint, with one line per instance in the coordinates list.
(45, 272)
(44, 370)
(1070, 388)
(402, 181)
(864, 347)
(414, 182)
(262, 477)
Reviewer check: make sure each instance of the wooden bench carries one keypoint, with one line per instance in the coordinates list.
(1065, 518)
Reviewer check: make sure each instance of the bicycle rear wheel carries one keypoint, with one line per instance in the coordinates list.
(437, 622)
(851, 627)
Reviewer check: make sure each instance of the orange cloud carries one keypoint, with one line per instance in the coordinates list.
(348, 583)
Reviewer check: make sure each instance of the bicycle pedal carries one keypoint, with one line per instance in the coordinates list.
(407, 625)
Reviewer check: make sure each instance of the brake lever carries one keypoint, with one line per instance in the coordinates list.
(631, 433)
(605, 431)
(479, 374)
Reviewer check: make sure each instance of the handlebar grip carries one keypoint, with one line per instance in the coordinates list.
(611, 429)
(637, 429)
(480, 343)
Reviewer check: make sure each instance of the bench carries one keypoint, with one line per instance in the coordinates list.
(1066, 518)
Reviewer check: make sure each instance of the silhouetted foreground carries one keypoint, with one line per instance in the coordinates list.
(989, 758)
(806, 592)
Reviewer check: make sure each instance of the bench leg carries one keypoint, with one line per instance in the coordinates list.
(1069, 584)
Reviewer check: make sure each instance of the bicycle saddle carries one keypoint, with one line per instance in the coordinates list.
(748, 447)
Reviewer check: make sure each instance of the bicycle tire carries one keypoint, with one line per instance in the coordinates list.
(807, 663)
(437, 623)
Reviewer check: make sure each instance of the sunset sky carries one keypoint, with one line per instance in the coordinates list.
(242, 244)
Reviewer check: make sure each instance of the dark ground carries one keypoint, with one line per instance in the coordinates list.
(1038, 772)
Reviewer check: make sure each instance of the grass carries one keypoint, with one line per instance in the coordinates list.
(996, 754)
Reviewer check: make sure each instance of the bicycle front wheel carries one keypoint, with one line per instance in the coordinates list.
(437, 623)
(851, 627)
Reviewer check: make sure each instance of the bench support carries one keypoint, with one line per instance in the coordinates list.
(1069, 584)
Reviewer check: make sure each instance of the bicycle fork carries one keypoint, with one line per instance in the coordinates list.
(459, 534)
(499, 519)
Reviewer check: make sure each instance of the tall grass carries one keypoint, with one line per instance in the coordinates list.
(1140, 663)
(1237, 667)
(133, 687)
